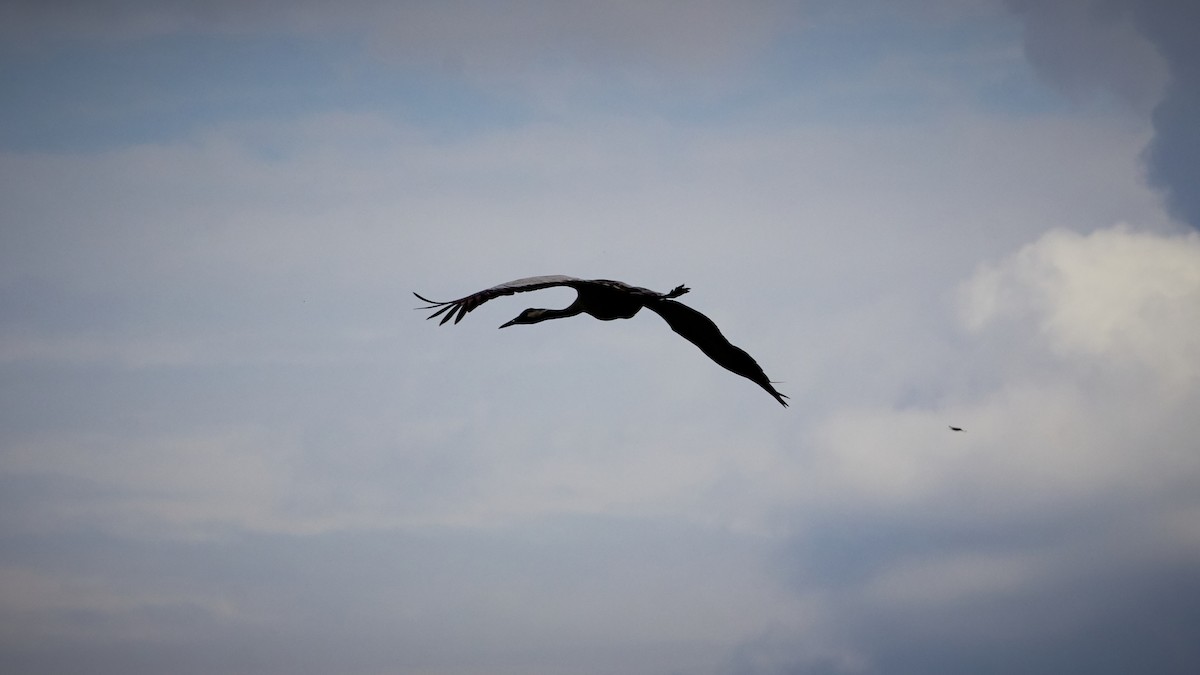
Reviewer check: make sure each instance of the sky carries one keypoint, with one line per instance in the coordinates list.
(229, 445)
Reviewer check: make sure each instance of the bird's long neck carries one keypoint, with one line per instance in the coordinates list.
(574, 309)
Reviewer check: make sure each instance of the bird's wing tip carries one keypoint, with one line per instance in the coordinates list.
(432, 303)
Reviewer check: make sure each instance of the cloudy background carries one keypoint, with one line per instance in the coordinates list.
(228, 444)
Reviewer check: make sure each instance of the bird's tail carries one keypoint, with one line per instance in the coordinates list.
(677, 291)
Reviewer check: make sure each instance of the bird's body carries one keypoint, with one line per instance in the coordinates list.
(953, 428)
(607, 300)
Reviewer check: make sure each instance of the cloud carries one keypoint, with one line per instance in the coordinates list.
(229, 443)
(1144, 53)
(1049, 535)
(461, 36)
(256, 277)
(1079, 325)
(474, 35)
(33, 24)
(1174, 154)
(1088, 47)
(1124, 297)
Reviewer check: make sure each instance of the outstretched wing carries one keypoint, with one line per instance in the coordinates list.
(459, 308)
(702, 332)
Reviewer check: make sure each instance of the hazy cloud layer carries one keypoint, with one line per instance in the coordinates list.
(460, 36)
(228, 444)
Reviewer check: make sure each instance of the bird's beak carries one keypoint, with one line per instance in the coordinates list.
(506, 325)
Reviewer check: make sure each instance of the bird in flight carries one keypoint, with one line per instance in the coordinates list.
(607, 300)
(957, 429)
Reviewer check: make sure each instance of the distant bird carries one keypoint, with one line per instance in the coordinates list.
(957, 429)
(607, 300)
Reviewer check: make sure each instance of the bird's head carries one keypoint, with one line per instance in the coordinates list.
(531, 315)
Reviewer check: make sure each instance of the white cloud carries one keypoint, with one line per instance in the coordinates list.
(1116, 297)
(1094, 337)
(1065, 509)
(1090, 347)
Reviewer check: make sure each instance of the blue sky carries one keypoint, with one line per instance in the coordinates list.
(229, 445)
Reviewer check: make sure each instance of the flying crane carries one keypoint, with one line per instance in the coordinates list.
(607, 300)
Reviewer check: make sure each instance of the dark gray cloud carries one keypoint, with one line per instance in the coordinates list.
(1146, 53)
(1098, 605)
(1089, 47)
(1145, 625)
(1174, 154)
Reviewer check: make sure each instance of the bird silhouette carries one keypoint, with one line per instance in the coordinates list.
(957, 429)
(607, 300)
